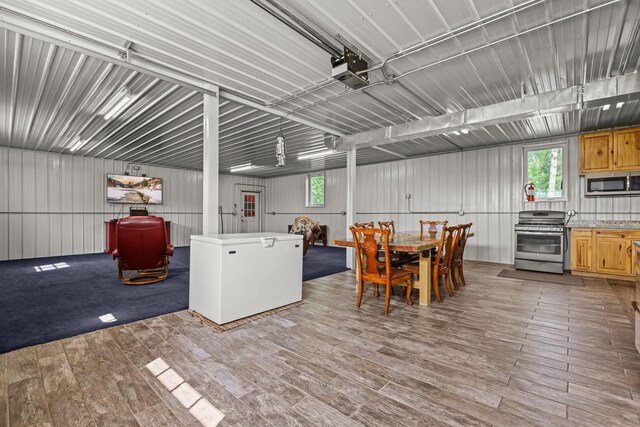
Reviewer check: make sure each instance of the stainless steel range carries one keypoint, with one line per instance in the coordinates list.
(540, 239)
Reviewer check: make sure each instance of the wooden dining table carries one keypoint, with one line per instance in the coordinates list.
(410, 242)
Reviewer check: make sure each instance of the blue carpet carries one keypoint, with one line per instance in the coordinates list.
(43, 306)
(322, 261)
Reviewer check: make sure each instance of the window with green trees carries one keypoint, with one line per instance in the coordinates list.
(315, 190)
(545, 169)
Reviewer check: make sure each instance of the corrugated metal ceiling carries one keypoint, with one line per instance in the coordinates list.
(50, 95)
(56, 92)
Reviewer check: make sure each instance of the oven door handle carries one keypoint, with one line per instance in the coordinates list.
(540, 233)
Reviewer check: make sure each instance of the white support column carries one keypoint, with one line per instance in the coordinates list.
(210, 164)
(351, 192)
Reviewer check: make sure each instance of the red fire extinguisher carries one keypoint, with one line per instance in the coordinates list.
(528, 191)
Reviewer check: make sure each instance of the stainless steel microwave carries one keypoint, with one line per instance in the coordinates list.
(612, 184)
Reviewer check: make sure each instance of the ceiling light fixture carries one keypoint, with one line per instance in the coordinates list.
(242, 167)
(605, 107)
(619, 104)
(77, 143)
(464, 131)
(281, 148)
(117, 104)
(455, 132)
(314, 154)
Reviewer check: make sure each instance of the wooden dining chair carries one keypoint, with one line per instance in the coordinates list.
(441, 263)
(368, 264)
(388, 225)
(458, 255)
(397, 258)
(360, 225)
(370, 224)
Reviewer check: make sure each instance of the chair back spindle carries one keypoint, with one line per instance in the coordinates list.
(369, 224)
(388, 225)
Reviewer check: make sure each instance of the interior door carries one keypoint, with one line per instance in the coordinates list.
(250, 212)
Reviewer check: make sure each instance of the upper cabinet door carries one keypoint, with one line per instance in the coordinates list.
(596, 152)
(627, 150)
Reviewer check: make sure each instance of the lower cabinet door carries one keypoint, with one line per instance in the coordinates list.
(613, 255)
(581, 252)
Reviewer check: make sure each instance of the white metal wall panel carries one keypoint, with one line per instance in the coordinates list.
(485, 183)
(55, 204)
(229, 194)
(286, 196)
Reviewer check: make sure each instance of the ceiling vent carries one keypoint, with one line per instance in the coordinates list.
(350, 69)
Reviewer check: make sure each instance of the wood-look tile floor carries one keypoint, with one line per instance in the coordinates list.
(501, 352)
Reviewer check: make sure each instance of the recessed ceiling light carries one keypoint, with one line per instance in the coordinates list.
(243, 167)
(619, 104)
(605, 107)
(77, 143)
(314, 154)
(117, 104)
(464, 131)
(455, 132)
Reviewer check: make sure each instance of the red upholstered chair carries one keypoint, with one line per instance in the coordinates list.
(141, 245)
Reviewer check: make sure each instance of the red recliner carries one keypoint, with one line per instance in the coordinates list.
(141, 245)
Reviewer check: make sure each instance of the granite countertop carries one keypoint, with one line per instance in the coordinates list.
(605, 224)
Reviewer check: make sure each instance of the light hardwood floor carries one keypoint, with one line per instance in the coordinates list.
(501, 352)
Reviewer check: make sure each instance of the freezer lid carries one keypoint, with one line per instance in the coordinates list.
(236, 238)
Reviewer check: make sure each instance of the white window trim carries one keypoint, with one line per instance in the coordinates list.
(308, 203)
(565, 172)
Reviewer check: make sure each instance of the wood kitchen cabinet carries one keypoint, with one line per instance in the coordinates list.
(581, 250)
(596, 152)
(613, 255)
(603, 253)
(610, 151)
(626, 149)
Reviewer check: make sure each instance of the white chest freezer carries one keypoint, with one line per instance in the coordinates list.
(233, 276)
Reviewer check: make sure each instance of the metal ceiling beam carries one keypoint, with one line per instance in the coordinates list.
(590, 95)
